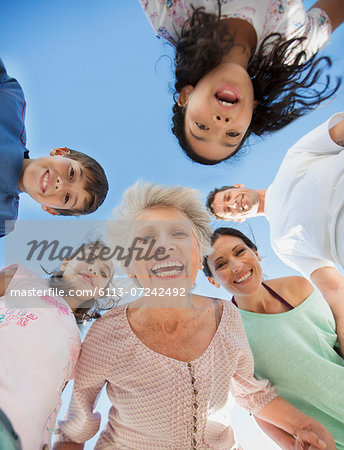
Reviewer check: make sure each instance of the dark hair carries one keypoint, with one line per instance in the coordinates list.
(282, 90)
(226, 231)
(90, 309)
(210, 199)
(96, 184)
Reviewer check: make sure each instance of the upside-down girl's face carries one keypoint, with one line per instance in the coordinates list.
(218, 111)
(235, 266)
(87, 273)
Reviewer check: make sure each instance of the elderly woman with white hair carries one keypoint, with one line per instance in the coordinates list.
(171, 358)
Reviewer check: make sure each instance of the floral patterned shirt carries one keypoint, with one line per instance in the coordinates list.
(287, 17)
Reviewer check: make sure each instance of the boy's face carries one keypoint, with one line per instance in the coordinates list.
(56, 181)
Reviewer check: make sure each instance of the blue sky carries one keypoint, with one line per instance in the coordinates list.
(94, 82)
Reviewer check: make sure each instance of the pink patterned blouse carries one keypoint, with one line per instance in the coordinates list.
(159, 402)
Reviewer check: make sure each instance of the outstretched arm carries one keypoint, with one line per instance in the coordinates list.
(282, 438)
(330, 283)
(305, 429)
(334, 9)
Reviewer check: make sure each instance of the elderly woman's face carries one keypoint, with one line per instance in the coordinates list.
(172, 253)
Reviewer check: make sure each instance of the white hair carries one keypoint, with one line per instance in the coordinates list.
(142, 196)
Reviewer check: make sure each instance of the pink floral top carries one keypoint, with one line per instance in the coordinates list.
(287, 17)
(159, 402)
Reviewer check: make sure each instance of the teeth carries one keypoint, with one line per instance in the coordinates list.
(168, 273)
(165, 264)
(224, 103)
(45, 181)
(243, 278)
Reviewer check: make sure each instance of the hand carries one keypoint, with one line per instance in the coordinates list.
(306, 438)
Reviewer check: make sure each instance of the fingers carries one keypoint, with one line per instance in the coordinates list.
(308, 440)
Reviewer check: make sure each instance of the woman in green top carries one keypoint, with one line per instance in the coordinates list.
(291, 331)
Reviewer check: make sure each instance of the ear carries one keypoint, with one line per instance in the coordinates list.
(49, 210)
(61, 151)
(257, 255)
(255, 104)
(64, 264)
(131, 275)
(242, 219)
(213, 282)
(239, 185)
(184, 95)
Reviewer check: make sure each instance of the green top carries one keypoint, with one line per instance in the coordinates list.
(295, 351)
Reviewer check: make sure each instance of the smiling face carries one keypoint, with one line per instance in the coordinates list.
(218, 111)
(235, 266)
(87, 273)
(237, 203)
(56, 181)
(171, 230)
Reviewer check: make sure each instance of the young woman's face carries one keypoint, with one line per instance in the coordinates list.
(218, 111)
(87, 274)
(235, 266)
(171, 231)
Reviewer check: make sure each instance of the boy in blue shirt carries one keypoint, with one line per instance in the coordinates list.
(67, 182)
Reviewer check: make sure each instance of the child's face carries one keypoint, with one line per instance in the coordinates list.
(218, 111)
(87, 276)
(56, 181)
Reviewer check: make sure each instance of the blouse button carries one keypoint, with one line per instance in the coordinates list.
(195, 429)
(189, 365)
(195, 419)
(193, 379)
(194, 441)
(195, 405)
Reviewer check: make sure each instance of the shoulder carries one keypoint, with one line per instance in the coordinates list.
(294, 289)
(109, 328)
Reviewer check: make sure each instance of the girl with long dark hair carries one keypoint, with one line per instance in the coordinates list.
(243, 68)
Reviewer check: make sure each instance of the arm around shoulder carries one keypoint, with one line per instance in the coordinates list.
(337, 133)
(330, 283)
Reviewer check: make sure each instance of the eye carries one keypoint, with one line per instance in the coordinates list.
(146, 239)
(239, 252)
(201, 126)
(66, 198)
(179, 234)
(103, 274)
(232, 134)
(219, 265)
(71, 173)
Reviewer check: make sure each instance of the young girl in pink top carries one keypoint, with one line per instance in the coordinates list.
(40, 342)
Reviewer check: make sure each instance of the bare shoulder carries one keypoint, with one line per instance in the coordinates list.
(293, 289)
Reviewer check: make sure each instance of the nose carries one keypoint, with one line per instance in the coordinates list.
(92, 270)
(59, 183)
(220, 119)
(236, 265)
(166, 242)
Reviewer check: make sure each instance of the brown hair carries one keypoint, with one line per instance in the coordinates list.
(96, 184)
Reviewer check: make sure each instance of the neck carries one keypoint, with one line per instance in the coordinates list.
(26, 163)
(245, 41)
(257, 302)
(165, 312)
(73, 302)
